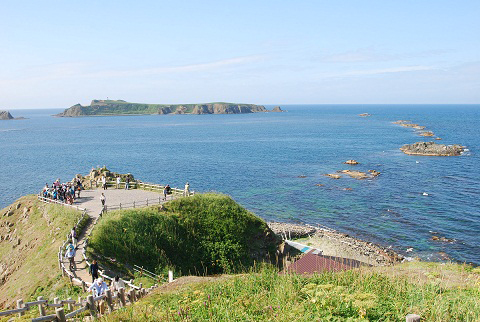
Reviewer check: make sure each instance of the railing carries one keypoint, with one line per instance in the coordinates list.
(115, 301)
(49, 200)
(140, 185)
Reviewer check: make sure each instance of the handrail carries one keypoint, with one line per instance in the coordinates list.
(48, 200)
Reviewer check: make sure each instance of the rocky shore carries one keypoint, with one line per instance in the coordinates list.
(333, 243)
(432, 149)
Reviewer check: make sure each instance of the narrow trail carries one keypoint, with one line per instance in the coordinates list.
(90, 200)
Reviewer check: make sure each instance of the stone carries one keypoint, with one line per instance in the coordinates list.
(427, 133)
(302, 176)
(364, 115)
(5, 115)
(333, 175)
(356, 174)
(351, 162)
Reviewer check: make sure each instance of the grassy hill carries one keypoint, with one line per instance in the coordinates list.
(30, 234)
(437, 292)
(203, 234)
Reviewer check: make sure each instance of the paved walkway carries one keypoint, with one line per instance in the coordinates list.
(90, 200)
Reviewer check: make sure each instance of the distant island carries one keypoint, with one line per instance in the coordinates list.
(121, 107)
(5, 115)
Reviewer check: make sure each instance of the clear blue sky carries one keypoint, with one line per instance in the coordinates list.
(58, 53)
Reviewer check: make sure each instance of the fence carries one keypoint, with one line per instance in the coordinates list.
(48, 200)
(139, 185)
(115, 301)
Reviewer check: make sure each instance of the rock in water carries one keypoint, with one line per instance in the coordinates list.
(5, 115)
(277, 109)
(432, 149)
(351, 162)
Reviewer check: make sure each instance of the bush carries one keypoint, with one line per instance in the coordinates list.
(203, 234)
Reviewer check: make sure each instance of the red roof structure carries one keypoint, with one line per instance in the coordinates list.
(311, 263)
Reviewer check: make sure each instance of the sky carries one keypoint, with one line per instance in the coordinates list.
(55, 54)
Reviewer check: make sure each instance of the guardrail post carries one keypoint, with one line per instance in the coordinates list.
(41, 308)
(412, 318)
(147, 201)
(70, 305)
(131, 295)
(120, 206)
(60, 313)
(170, 276)
(19, 306)
(80, 300)
(91, 305)
(56, 300)
(109, 299)
(134, 204)
(84, 286)
(121, 296)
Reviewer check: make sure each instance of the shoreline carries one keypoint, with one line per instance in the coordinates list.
(335, 243)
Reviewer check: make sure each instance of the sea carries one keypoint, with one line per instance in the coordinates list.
(274, 164)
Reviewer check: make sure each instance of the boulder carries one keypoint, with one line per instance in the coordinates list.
(351, 162)
(427, 133)
(432, 149)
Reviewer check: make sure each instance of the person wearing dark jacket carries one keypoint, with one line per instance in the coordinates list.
(94, 270)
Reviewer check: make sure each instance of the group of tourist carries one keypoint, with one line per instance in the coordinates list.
(64, 192)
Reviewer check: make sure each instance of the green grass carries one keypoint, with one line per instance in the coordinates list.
(32, 263)
(349, 296)
(203, 234)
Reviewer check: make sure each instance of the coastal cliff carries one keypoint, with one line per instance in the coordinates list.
(120, 107)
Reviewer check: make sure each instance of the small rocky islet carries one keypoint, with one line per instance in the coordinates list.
(428, 148)
(5, 115)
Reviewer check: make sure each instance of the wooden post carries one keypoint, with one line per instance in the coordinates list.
(41, 308)
(19, 306)
(80, 300)
(134, 204)
(109, 299)
(60, 313)
(412, 318)
(140, 285)
(170, 276)
(91, 305)
(70, 305)
(147, 201)
(121, 295)
(84, 286)
(120, 206)
(71, 278)
(131, 295)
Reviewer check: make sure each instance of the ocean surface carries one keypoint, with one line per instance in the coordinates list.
(260, 160)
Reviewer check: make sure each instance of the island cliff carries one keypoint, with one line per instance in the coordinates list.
(5, 115)
(120, 107)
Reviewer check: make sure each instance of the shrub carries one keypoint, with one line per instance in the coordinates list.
(202, 234)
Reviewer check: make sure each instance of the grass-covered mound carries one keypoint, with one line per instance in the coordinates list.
(435, 291)
(203, 234)
(30, 235)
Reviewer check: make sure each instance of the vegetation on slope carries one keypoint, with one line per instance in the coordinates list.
(31, 233)
(357, 295)
(203, 234)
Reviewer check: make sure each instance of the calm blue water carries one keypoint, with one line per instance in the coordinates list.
(257, 158)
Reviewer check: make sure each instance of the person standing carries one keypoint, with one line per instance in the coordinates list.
(70, 254)
(165, 193)
(127, 183)
(104, 183)
(103, 199)
(186, 191)
(73, 236)
(118, 182)
(94, 270)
